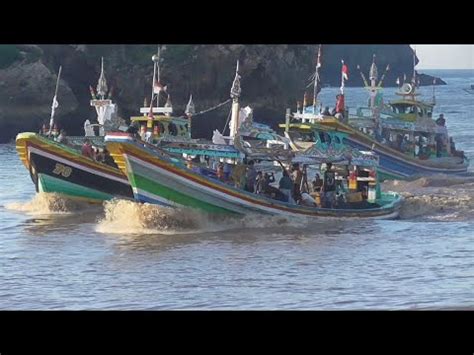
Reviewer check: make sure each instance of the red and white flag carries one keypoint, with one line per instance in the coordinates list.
(345, 71)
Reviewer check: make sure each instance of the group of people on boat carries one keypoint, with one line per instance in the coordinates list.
(292, 187)
(101, 155)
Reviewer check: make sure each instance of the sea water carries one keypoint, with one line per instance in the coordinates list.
(60, 254)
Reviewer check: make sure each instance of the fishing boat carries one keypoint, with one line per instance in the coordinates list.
(58, 165)
(403, 133)
(164, 177)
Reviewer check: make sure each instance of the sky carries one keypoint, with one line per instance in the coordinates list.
(444, 56)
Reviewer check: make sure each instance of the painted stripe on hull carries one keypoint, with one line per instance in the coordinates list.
(70, 162)
(146, 177)
(48, 183)
(88, 179)
(392, 162)
(403, 169)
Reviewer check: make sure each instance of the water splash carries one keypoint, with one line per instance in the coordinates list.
(439, 198)
(128, 217)
(44, 203)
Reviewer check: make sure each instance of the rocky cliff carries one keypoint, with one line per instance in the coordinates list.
(273, 77)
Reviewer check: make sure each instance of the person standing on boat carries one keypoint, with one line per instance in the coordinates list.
(317, 183)
(251, 176)
(87, 149)
(62, 137)
(259, 183)
(286, 184)
(329, 186)
(340, 105)
(220, 171)
(238, 176)
(297, 177)
(227, 171)
(326, 111)
(441, 121)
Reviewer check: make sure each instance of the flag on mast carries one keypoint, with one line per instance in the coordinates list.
(345, 71)
(344, 75)
(54, 106)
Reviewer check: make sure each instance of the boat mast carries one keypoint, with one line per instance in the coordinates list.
(156, 85)
(55, 103)
(317, 86)
(190, 111)
(102, 83)
(413, 80)
(373, 74)
(235, 94)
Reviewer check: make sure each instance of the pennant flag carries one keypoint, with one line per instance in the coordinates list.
(190, 109)
(55, 103)
(345, 71)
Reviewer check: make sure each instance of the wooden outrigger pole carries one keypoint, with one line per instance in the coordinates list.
(55, 103)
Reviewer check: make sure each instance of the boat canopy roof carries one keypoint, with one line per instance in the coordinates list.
(411, 102)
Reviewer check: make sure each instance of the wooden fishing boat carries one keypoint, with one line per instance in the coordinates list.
(163, 177)
(409, 142)
(60, 167)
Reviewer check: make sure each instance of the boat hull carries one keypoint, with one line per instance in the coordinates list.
(157, 178)
(394, 164)
(57, 168)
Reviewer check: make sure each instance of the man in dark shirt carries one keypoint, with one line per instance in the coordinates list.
(441, 120)
(329, 186)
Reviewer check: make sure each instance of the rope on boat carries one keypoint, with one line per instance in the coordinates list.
(227, 122)
(209, 109)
